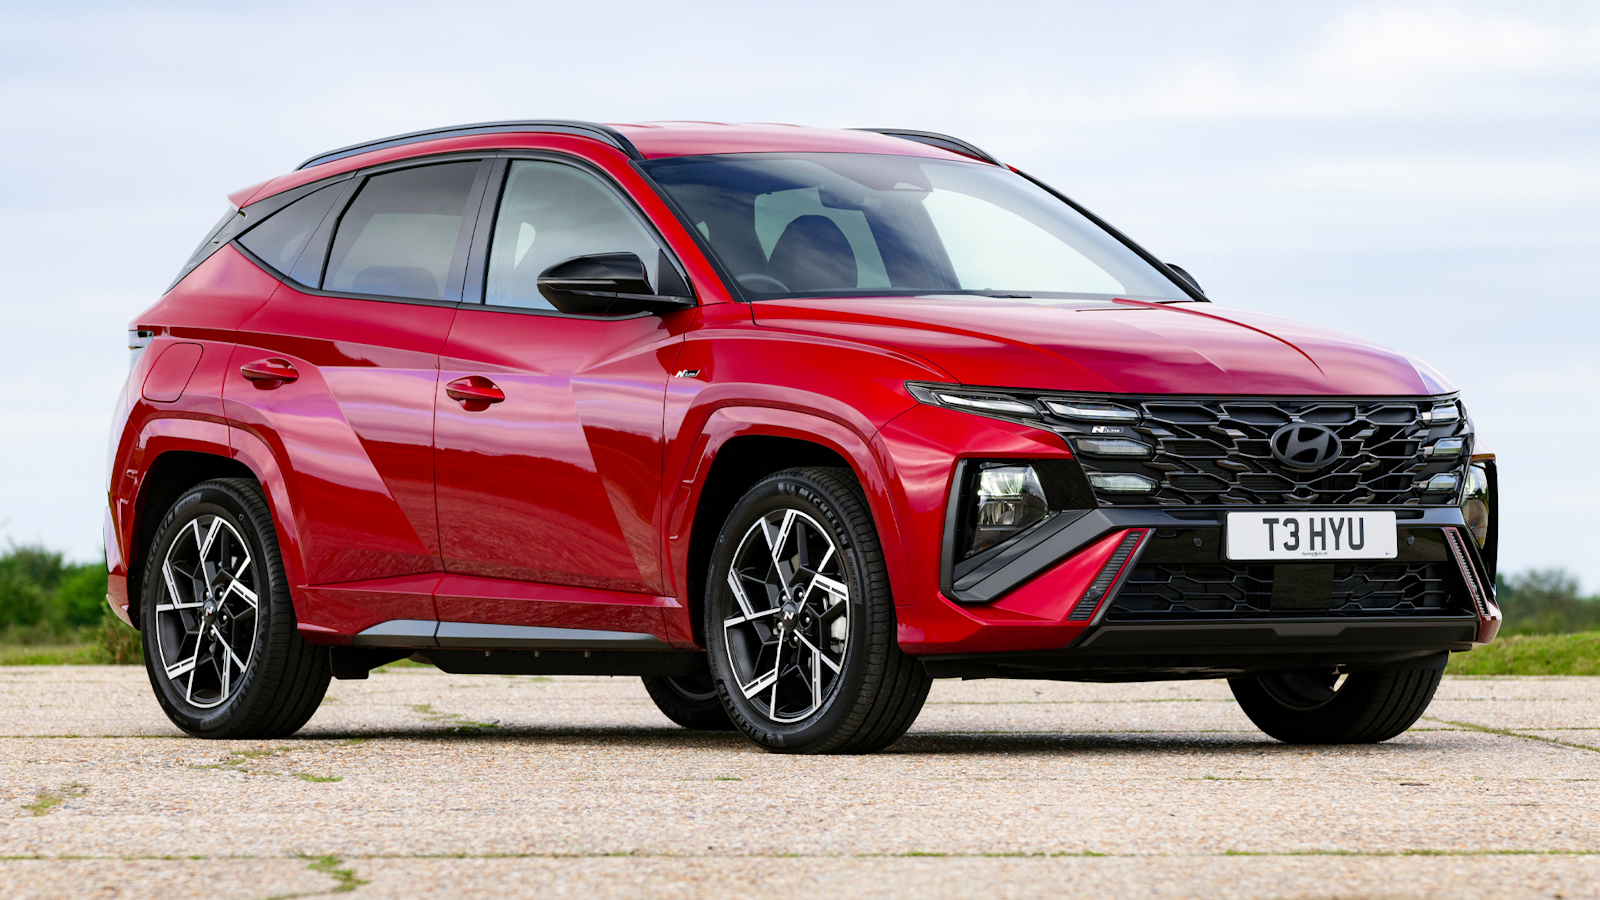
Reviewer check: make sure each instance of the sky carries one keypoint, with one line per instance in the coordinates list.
(1426, 175)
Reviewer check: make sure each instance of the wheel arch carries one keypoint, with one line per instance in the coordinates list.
(743, 446)
(170, 474)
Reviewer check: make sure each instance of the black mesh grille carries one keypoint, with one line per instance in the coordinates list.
(1218, 451)
(1167, 592)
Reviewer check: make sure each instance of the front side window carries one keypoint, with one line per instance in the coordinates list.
(799, 224)
(279, 239)
(549, 213)
(399, 236)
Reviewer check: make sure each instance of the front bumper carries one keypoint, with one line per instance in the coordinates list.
(1145, 652)
(1051, 590)
(1124, 594)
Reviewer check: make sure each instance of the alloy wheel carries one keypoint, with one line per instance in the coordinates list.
(787, 643)
(206, 622)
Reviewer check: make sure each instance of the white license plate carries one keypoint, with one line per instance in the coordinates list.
(1311, 535)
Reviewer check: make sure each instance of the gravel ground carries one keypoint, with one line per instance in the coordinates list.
(415, 783)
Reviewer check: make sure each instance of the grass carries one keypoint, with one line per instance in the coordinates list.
(235, 762)
(331, 866)
(1544, 654)
(109, 643)
(46, 801)
(49, 655)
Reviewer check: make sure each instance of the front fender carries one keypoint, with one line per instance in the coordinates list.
(725, 423)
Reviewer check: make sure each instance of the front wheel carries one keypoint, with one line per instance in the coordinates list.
(1323, 707)
(220, 642)
(800, 623)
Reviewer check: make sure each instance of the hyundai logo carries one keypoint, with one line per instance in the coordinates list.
(1305, 446)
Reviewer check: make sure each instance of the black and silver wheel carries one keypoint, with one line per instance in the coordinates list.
(689, 700)
(800, 624)
(1323, 707)
(220, 642)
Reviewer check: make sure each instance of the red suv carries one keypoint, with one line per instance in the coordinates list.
(787, 421)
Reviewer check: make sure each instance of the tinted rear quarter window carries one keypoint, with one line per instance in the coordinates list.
(279, 240)
(399, 236)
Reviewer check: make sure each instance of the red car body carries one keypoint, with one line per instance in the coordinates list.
(399, 498)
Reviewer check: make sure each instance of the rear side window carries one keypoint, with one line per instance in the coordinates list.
(399, 236)
(279, 240)
(214, 239)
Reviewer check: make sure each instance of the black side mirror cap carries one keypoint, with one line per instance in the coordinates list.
(612, 284)
(1187, 277)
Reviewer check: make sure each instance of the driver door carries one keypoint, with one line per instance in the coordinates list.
(550, 472)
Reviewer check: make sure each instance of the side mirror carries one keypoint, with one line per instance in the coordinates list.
(1187, 277)
(612, 284)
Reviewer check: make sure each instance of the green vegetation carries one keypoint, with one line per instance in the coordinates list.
(1550, 629)
(345, 878)
(53, 612)
(1521, 654)
(1545, 601)
(47, 800)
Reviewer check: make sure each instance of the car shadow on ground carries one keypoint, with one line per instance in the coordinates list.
(915, 744)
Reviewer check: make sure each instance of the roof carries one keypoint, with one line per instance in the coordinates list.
(655, 140)
(641, 141)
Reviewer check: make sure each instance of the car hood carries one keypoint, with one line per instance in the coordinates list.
(1121, 346)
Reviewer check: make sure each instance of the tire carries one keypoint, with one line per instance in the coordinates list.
(225, 659)
(691, 701)
(1313, 707)
(804, 654)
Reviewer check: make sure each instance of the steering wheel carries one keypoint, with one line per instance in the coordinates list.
(748, 278)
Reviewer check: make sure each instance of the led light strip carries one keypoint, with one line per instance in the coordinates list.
(1109, 576)
(1469, 573)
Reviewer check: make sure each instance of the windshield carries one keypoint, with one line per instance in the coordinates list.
(807, 224)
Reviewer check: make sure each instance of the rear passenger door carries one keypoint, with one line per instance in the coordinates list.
(355, 332)
(559, 482)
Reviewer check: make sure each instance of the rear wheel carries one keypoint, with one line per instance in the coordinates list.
(689, 700)
(800, 623)
(1323, 707)
(220, 643)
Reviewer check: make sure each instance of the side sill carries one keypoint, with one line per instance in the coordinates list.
(533, 637)
(421, 633)
(398, 633)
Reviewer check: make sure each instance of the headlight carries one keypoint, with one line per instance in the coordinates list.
(1441, 484)
(1121, 484)
(1442, 413)
(1007, 501)
(982, 403)
(995, 503)
(1475, 503)
(1093, 412)
(1113, 448)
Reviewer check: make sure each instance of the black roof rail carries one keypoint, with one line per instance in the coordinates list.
(544, 126)
(935, 139)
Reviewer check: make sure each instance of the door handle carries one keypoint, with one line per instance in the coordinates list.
(474, 392)
(269, 373)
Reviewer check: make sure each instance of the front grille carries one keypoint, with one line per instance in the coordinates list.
(1217, 451)
(1171, 592)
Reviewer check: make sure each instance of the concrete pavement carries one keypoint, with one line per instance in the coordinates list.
(415, 783)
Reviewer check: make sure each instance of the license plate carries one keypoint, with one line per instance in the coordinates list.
(1311, 535)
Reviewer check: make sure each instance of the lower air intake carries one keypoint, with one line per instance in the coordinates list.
(1109, 575)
